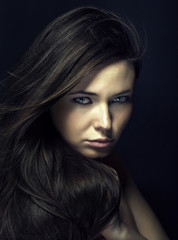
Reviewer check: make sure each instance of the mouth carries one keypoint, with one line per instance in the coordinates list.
(100, 143)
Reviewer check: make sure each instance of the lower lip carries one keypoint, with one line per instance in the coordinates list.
(99, 144)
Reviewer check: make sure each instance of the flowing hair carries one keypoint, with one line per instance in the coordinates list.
(47, 190)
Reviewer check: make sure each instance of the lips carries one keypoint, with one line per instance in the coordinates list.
(100, 143)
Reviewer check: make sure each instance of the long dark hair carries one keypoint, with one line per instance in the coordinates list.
(45, 191)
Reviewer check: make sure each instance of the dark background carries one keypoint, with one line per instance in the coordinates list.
(149, 143)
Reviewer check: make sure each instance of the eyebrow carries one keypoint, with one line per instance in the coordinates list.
(95, 94)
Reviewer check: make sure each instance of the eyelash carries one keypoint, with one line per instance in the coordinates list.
(80, 100)
(87, 100)
(121, 99)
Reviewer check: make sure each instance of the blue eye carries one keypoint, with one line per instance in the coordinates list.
(121, 99)
(82, 100)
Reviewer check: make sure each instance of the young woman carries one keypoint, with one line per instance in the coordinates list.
(62, 113)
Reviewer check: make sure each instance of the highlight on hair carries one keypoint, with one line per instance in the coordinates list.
(70, 199)
(45, 192)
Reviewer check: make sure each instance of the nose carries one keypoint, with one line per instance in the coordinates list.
(103, 118)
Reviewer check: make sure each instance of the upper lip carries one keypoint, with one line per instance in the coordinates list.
(101, 140)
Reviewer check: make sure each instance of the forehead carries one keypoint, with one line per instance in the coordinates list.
(112, 77)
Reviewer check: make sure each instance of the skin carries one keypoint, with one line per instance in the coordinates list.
(98, 107)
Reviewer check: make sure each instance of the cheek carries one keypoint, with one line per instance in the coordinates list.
(121, 119)
(127, 113)
(70, 124)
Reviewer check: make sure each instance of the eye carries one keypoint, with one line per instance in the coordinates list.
(121, 99)
(82, 100)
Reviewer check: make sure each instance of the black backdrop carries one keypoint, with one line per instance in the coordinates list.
(148, 144)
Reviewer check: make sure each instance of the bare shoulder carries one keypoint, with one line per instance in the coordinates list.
(146, 221)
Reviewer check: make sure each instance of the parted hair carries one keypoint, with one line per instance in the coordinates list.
(47, 190)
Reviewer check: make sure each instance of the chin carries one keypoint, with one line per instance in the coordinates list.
(93, 154)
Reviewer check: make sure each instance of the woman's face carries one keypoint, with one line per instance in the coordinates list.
(92, 115)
